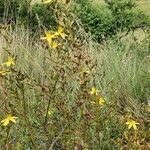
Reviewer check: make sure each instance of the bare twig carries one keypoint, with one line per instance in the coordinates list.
(50, 148)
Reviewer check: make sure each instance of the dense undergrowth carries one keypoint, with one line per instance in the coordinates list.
(102, 21)
(70, 92)
(111, 17)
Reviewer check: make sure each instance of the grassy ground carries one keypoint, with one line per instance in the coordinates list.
(79, 95)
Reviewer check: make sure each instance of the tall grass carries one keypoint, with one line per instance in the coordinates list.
(49, 90)
(49, 94)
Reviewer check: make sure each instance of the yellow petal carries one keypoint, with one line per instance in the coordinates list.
(5, 122)
(134, 127)
(130, 125)
(91, 92)
(62, 35)
(94, 91)
(101, 101)
(8, 119)
(54, 45)
(127, 123)
(56, 34)
(60, 29)
(9, 62)
(13, 119)
(49, 42)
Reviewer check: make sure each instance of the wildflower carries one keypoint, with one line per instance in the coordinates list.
(47, 1)
(54, 45)
(94, 91)
(8, 119)
(4, 72)
(60, 32)
(132, 124)
(101, 102)
(9, 62)
(49, 37)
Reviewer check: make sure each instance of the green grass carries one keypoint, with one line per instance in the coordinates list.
(118, 69)
(48, 90)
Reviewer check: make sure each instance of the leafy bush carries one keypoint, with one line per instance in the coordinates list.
(125, 14)
(117, 15)
(97, 24)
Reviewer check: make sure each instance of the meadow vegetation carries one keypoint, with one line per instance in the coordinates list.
(65, 86)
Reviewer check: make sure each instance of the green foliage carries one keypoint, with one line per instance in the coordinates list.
(117, 15)
(39, 15)
(97, 24)
(78, 95)
(20, 12)
(51, 80)
(105, 21)
(125, 14)
(10, 10)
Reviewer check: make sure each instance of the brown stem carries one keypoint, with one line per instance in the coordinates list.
(48, 106)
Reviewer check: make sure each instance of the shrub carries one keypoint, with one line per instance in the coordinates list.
(98, 24)
(115, 16)
(125, 14)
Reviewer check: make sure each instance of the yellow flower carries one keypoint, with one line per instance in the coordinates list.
(47, 1)
(101, 102)
(94, 91)
(132, 124)
(9, 62)
(54, 45)
(49, 37)
(4, 72)
(60, 32)
(8, 119)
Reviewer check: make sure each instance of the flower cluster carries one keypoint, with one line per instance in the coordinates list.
(50, 36)
(100, 101)
(131, 123)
